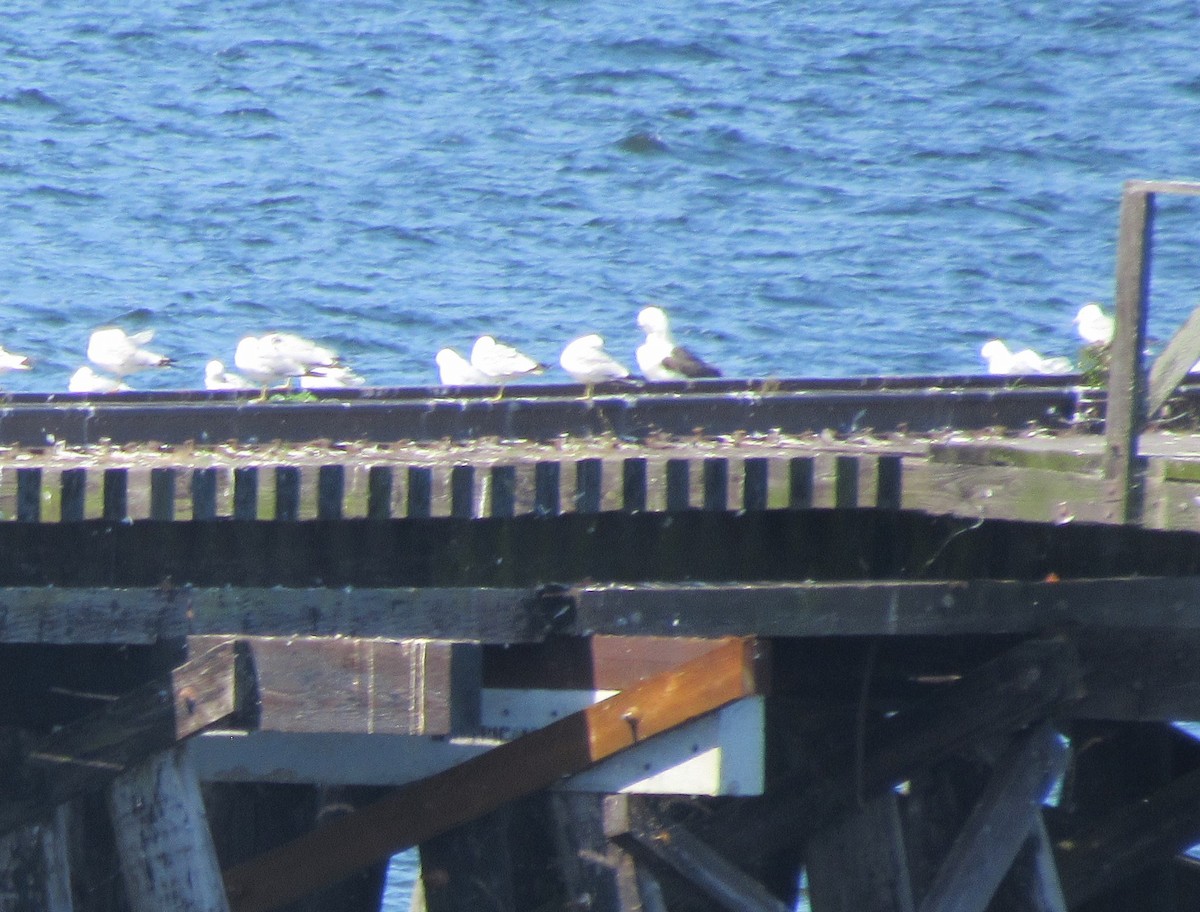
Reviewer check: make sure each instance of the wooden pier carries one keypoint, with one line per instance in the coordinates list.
(881, 645)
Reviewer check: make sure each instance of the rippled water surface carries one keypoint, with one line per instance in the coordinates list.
(809, 189)
(832, 188)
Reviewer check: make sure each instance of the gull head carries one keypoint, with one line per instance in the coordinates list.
(652, 320)
(994, 349)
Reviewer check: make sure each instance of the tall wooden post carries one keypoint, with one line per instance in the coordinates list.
(166, 851)
(35, 872)
(1125, 414)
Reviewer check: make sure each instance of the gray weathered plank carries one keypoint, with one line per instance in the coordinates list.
(1125, 415)
(168, 860)
(1005, 816)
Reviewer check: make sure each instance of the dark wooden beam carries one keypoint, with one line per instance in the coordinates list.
(1030, 682)
(727, 886)
(1098, 855)
(413, 814)
(859, 863)
(1004, 818)
(50, 769)
(525, 615)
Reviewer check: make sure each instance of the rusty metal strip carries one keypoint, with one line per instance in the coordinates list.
(413, 814)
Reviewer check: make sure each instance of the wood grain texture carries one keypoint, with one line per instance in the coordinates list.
(413, 814)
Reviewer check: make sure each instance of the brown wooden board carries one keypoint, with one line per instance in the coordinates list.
(415, 813)
(367, 686)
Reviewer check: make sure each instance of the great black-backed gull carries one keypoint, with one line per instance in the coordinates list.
(659, 358)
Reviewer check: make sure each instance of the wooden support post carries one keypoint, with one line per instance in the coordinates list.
(1101, 860)
(858, 864)
(1021, 686)
(73, 495)
(416, 813)
(1006, 815)
(93, 750)
(245, 492)
(1125, 411)
(633, 485)
(287, 493)
(420, 491)
(590, 865)
(35, 873)
(116, 495)
(204, 494)
(379, 492)
(504, 491)
(167, 856)
(162, 493)
(756, 484)
(720, 881)
(801, 470)
(29, 495)
(1174, 363)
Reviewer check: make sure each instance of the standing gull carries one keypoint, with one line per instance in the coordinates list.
(217, 378)
(588, 363)
(86, 380)
(455, 370)
(278, 357)
(325, 378)
(1001, 360)
(1094, 325)
(112, 350)
(501, 363)
(659, 358)
(10, 361)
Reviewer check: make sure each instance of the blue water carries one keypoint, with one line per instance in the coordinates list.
(809, 189)
(832, 188)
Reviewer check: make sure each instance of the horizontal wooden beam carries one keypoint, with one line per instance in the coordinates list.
(45, 771)
(414, 814)
(358, 685)
(519, 615)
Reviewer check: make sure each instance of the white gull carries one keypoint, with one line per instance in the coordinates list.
(1000, 360)
(118, 353)
(86, 380)
(455, 370)
(588, 363)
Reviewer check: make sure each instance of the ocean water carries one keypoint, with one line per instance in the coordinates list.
(827, 189)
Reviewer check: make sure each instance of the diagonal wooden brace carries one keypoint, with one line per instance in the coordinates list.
(415, 813)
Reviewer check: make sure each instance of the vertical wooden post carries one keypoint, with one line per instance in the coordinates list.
(859, 864)
(245, 492)
(504, 490)
(204, 494)
(162, 494)
(633, 485)
(166, 851)
(1125, 413)
(35, 868)
(29, 495)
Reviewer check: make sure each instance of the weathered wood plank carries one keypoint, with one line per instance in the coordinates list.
(699, 864)
(1027, 683)
(95, 749)
(1005, 816)
(801, 470)
(589, 485)
(162, 493)
(858, 863)
(412, 815)
(168, 860)
(35, 867)
(1125, 412)
(331, 491)
(74, 494)
(29, 495)
(1100, 854)
(756, 483)
(521, 615)
(1175, 363)
(633, 485)
(367, 686)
